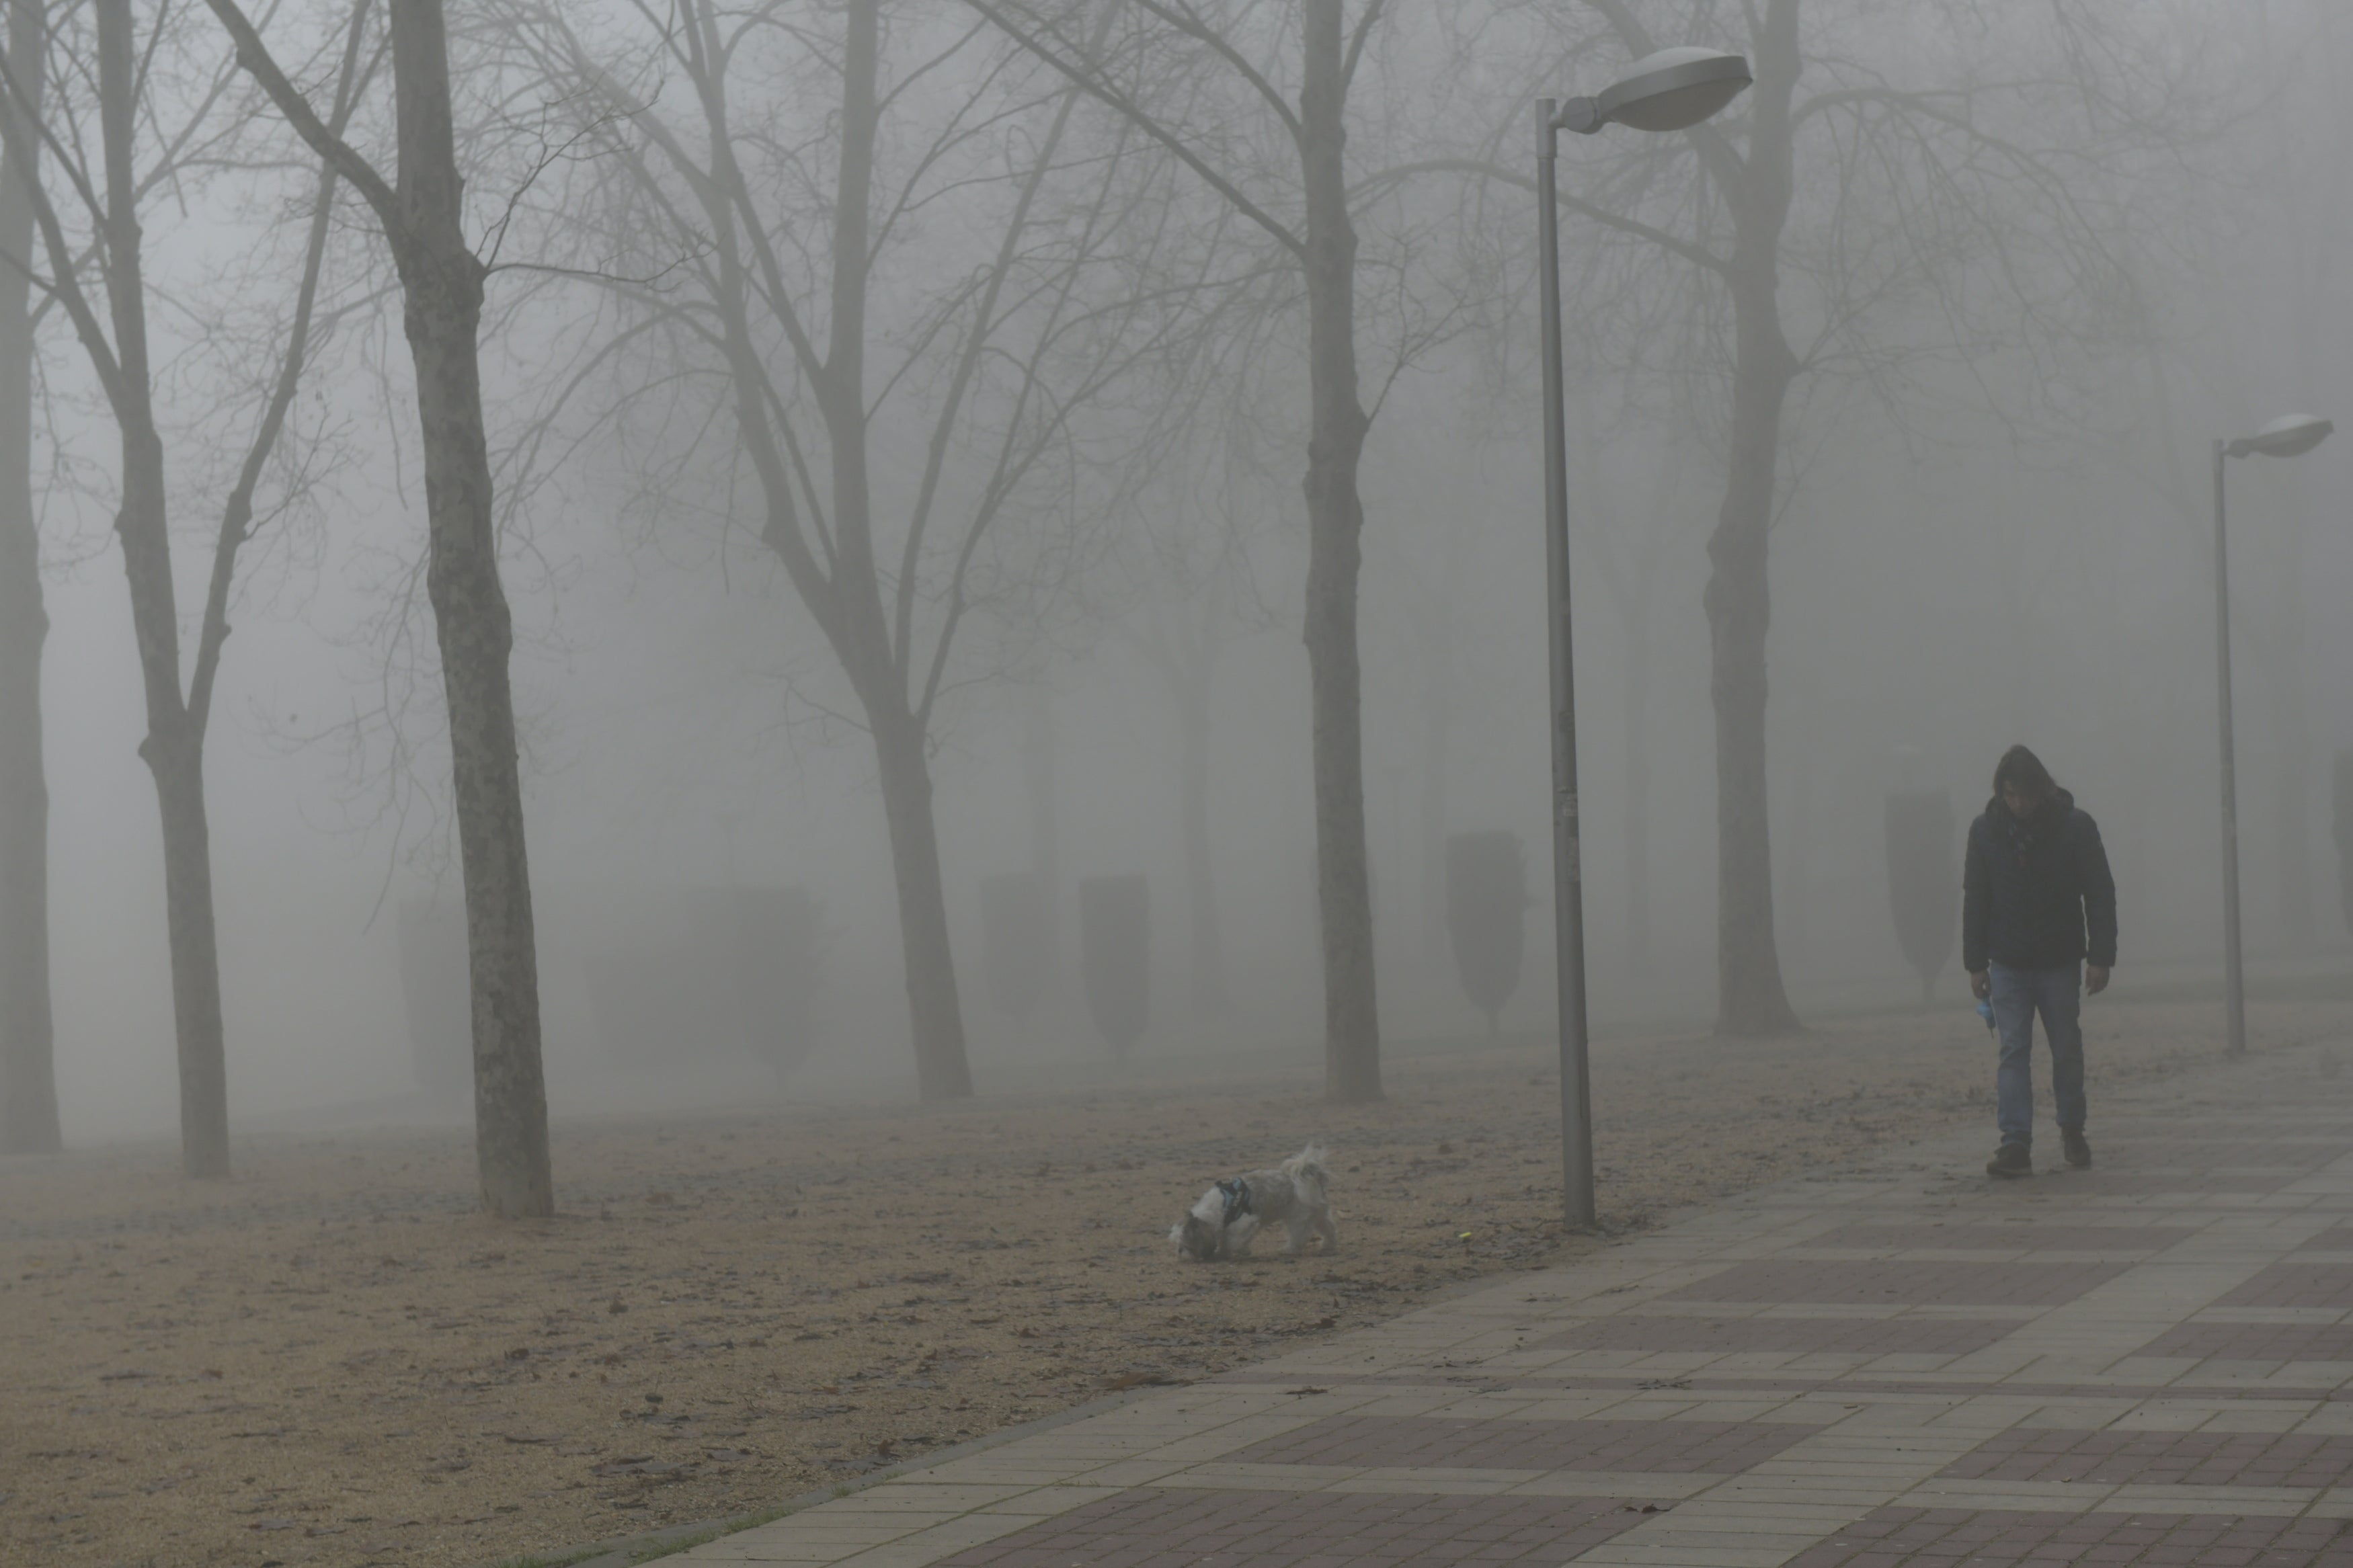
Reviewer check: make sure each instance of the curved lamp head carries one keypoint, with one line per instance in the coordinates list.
(1672, 89)
(2289, 435)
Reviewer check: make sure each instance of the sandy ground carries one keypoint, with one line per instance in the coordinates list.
(331, 1360)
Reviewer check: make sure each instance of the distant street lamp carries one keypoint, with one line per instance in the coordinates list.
(2290, 436)
(1672, 89)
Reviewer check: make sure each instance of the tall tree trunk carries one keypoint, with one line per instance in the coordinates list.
(442, 281)
(1798, 834)
(2291, 795)
(1041, 771)
(178, 766)
(441, 285)
(1637, 765)
(1208, 956)
(2311, 263)
(1750, 998)
(942, 1070)
(1437, 727)
(1336, 521)
(174, 744)
(28, 1084)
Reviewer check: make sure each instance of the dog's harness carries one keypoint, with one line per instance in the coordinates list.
(1238, 1200)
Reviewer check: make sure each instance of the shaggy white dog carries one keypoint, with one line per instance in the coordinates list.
(1230, 1214)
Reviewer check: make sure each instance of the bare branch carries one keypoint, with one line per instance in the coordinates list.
(1188, 21)
(1697, 255)
(236, 513)
(254, 56)
(1096, 87)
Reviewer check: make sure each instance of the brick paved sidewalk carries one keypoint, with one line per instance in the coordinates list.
(1898, 1362)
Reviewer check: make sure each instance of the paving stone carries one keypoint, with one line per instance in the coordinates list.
(2296, 1284)
(1157, 1528)
(1669, 1445)
(2257, 1342)
(2016, 1236)
(2119, 1457)
(1948, 1284)
(1985, 1538)
(1908, 1334)
(2336, 1239)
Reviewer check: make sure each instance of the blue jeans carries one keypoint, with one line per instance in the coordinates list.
(2018, 995)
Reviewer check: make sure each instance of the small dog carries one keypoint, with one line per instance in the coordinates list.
(1230, 1214)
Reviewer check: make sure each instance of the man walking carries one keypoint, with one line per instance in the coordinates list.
(2037, 900)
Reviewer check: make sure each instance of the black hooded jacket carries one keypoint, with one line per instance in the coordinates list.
(2032, 889)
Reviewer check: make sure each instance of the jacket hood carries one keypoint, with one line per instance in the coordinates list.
(2062, 799)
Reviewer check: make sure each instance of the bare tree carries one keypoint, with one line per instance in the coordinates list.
(29, 1082)
(1202, 500)
(1125, 68)
(441, 278)
(1041, 747)
(116, 343)
(1199, 595)
(2309, 210)
(1847, 234)
(1630, 568)
(801, 322)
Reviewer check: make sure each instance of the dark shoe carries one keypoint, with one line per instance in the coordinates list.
(2079, 1151)
(2011, 1159)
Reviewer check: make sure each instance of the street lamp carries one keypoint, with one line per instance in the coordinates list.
(2290, 436)
(1672, 89)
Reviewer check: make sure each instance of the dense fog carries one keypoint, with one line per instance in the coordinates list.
(1992, 523)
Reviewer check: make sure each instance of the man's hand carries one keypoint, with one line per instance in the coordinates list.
(1981, 982)
(2095, 980)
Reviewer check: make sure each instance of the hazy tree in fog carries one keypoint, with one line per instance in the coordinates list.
(888, 279)
(1115, 957)
(2253, 310)
(1199, 598)
(113, 330)
(1486, 917)
(1951, 186)
(1265, 153)
(2300, 169)
(1203, 498)
(1041, 759)
(1627, 544)
(1924, 882)
(29, 1080)
(441, 278)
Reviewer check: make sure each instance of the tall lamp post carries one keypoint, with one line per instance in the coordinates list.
(1672, 89)
(2290, 436)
